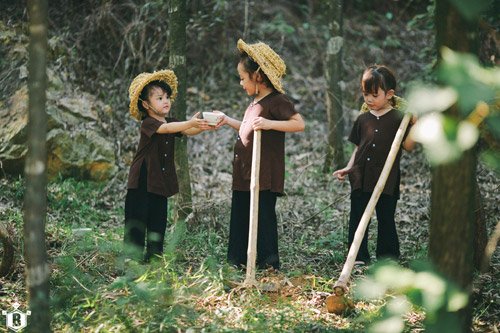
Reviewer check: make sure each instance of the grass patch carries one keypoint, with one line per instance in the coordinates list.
(191, 287)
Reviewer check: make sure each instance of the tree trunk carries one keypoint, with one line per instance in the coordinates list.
(454, 184)
(480, 232)
(177, 62)
(335, 149)
(452, 218)
(35, 202)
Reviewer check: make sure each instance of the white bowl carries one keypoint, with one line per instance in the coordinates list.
(212, 118)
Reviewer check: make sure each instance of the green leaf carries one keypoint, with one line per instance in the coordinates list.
(427, 99)
(472, 82)
(471, 10)
(370, 289)
(493, 124)
(457, 300)
(433, 288)
(394, 324)
(492, 159)
(467, 135)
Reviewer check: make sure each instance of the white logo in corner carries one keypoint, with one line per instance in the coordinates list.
(16, 320)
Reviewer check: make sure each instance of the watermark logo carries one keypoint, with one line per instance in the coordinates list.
(16, 320)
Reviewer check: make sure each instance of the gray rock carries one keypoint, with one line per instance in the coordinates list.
(76, 142)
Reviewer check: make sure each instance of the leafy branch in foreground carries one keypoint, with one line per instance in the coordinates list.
(403, 288)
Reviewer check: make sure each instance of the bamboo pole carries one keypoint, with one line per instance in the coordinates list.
(254, 210)
(370, 207)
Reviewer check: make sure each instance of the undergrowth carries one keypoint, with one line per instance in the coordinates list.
(191, 288)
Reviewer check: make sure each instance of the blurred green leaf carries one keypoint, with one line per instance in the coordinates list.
(444, 322)
(393, 276)
(467, 135)
(471, 9)
(399, 305)
(492, 159)
(493, 124)
(422, 287)
(370, 289)
(456, 300)
(392, 324)
(433, 288)
(427, 99)
(471, 82)
(437, 133)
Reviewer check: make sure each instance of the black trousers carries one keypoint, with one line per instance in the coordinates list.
(387, 237)
(267, 230)
(145, 221)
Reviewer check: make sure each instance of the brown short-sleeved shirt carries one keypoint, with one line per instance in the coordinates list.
(374, 136)
(157, 151)
(274, 106)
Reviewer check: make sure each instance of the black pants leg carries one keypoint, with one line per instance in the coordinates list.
(267, 231)
(156, 225)
(145, 221)
(387, 238)
(136, 213)
(238, 228)
(359, 201)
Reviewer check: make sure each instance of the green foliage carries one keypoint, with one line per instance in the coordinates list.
(278, 25)
(78, 202)
(469, 87)
(471, 81)
(471, 9)
(403, 288)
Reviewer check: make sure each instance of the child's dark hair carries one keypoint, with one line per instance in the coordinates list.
(147, 90)
(378, 76)
(251, 67)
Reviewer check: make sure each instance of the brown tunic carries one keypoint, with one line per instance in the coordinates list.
(157, 151)
(274, 106)
(374, 136)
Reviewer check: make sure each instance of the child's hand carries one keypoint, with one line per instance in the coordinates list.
(223, 121)
(413, 120)
(261, 123)
(198, 122)
(340, 174)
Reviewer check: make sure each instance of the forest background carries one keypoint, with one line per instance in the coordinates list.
(97, 47)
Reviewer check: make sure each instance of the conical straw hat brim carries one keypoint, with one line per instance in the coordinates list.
(141, 80)
(268, 60)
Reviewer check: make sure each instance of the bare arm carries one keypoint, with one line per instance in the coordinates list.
(192, 131)
(186, 127)
(294, 124)
(226, 120)
(409, 143)
(341, 173)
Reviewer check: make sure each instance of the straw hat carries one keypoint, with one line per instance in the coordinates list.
(268, 60)
(141, 80)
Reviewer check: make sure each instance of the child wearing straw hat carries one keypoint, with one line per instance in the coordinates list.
(152, 177)
(260, 70)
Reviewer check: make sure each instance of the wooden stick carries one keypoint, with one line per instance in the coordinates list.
(254, 211)
(370, 207)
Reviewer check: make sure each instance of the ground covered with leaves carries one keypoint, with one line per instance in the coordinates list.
(192, 288)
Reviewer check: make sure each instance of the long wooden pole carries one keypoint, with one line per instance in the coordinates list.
(370, 207)
(254, 210)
